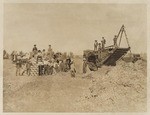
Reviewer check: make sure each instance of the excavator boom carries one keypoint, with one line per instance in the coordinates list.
(109, 56)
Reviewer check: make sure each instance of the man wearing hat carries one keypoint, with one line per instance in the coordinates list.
(49, 52)
(34, 50)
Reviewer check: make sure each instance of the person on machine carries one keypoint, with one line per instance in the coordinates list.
(115, 40)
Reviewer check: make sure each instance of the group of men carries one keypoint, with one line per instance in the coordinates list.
(101, 46)
(48, 63)
(49, 53)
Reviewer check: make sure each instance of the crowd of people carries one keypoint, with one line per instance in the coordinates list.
(48, 62)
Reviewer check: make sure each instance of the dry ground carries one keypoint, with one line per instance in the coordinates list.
(110, 89)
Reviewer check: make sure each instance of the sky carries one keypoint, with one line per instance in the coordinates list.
(72, 27)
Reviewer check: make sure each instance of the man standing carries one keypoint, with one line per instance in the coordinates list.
(49, 52)
(68, 62)
(15, 56)
(34, 50)
(46, 64)
(99, 51)
(55, 67)
(103, 43)
(44, 54)
(95, 45)
(84, 65)
(40, 63)
(99, 47)
(61, 66)
(115, 41)
(72, 69)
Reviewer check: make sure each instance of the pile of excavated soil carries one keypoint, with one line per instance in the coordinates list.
(121, 88)
(117, 89)
(53, 93)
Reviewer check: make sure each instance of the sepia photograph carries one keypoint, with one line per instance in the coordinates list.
(74, 57)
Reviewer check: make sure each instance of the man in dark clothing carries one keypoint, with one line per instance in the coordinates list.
(99, 51)
(40, 62)
(34, 50)
(49, 49)
(68, 62)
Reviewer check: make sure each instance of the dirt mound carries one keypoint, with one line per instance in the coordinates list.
(53, 93)
(120, 89)
(110, 89)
